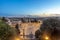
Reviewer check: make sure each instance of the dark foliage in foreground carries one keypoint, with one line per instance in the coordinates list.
(6, 32)
(50, 27)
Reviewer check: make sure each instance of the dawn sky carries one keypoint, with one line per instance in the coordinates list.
(28, 7)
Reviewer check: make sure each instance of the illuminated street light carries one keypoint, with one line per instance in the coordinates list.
(46, 38)
(17, 39)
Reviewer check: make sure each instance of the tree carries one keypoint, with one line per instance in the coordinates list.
(17, 28)
(4, 19)
(35, 20)
(50, 26)
(37, 33)
(6, 32)
(23, 20)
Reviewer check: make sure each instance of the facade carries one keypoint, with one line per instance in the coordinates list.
(27, 27)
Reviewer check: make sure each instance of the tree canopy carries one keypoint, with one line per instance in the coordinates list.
(17, 28)
(51, 27)
(50, 24)
(6, 31)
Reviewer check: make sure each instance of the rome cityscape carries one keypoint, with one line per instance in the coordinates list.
(29, 19)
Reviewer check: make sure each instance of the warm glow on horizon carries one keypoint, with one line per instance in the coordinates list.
(48, 12)
(53, 11)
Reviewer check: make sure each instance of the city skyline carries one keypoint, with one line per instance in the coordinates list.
(29, 7)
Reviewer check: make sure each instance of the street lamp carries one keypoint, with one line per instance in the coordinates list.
(17, 39)
(46, 38)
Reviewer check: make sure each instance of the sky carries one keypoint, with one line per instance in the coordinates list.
(29, 7)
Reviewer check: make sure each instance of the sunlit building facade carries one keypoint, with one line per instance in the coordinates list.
(27, 27)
